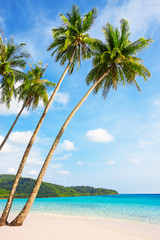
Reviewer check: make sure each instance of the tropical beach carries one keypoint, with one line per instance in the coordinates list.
(114, 217)
(79, 120)
(65, 227)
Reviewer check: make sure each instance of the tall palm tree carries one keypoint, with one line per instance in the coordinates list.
(31, 91)
(71, 43)
(115, 62)
(12, 57)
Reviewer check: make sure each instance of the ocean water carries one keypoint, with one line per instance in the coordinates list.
(137, 207)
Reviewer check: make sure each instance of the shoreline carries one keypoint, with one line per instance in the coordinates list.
(6, 198)
(79, 216)
(49, 226)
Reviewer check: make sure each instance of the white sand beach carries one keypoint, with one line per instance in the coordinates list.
(49, 227)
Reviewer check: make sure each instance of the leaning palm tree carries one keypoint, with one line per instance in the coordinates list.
(115, 62)
(31, 91)
(71, 43)
(12, 58)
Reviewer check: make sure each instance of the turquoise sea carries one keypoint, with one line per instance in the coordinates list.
(137, 207)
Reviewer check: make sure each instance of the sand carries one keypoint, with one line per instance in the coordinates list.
(52, 227)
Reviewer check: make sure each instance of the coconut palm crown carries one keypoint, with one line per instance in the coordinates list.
(118, 54)
(34, 88)
(30, 92)
(12, 58)
(71, 37)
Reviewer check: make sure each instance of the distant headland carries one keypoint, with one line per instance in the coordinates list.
(47, 189)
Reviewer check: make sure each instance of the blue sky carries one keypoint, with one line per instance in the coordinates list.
(112, 143)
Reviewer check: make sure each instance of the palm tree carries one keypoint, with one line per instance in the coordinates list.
(71, 43)
(11, 58)
(31, 91)
(115, 62)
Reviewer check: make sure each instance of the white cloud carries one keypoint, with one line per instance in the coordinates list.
(99, 135)
(35, 158)
(11, 155)
(110, 162)
(56, 166)
(64, 157)
(7, 148)
(134, 160)
(64, 172)
(65, 146)
(80, 163)
(33, 172)
(34, 161)
(20, 137)
(11, 170)
(141, 16)
(62, 98)
(145, 144)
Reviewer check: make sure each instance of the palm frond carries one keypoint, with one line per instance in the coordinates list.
(119, 55)
(12, 60)
(73, 34)
(33, 87)
(88, 20)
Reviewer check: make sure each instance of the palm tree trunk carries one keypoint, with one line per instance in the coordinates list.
(3, 219)
(18, 221)
(10, 130)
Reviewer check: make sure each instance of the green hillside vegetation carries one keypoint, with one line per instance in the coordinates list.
(47, 189)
